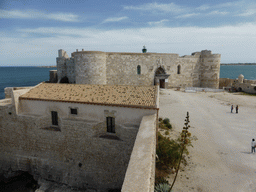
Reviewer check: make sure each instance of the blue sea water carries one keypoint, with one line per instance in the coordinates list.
(233, 71)
(22, 77)
(31, 76)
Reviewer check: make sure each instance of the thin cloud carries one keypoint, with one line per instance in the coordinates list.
(114, 19)
(188, 15)
(249, 12)
(170, 7)
(231, 4)
(60, 31)
(34, 14)
(218, 13)
(183, 40)
(158, 22)
(203, 7)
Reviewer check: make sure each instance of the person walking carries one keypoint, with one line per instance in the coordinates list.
(253, 145)
(232, 107)
(237, 109)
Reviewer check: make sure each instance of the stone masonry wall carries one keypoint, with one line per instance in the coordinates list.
(71, 74)
(90, 67)
(122, 69)
(189, 72)
(77, 155)
(210, 69)
(61, 67)
(225, 82)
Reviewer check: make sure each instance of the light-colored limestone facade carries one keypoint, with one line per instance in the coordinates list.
(200, 69)
(80, 135)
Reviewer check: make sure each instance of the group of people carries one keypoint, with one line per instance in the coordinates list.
(232, 107)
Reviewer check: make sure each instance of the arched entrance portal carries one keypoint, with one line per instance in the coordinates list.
(161, 77)
(64, 80)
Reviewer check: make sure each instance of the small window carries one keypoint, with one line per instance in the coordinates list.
(111, 124)
(178, 69)
(54, 118)
(138, 70)
(73, 111)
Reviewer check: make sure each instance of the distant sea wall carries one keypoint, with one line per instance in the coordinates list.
(238, 64)
(226, 82)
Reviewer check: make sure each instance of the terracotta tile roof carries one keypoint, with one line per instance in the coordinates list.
(121, 95)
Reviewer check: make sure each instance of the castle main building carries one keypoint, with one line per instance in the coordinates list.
(200, 69)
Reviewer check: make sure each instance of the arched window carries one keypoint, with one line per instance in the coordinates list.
(178, 69)
(138, 70)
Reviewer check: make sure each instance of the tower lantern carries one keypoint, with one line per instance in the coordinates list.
(144, 50)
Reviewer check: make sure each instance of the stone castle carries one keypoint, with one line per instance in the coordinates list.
(97, 131)
(200, 69)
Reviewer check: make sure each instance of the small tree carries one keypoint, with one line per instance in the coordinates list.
(185, 141)
(170, 154)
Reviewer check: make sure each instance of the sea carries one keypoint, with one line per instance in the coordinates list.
(22, 77)
(31, 76)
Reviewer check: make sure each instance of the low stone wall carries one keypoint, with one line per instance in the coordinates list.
(140, 174)
(5, 101)
(225, 82)
(8, 90)
(249, 81)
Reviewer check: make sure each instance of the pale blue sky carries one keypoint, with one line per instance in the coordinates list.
(32, 31)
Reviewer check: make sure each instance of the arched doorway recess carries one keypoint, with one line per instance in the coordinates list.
(64, 80)
(161, 77)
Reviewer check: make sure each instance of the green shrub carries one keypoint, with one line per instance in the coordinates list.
(160, 179)
(162, 125)
(165, 124)
(169, 126)
(171, 153)
(166, 133)
(162, 187)
(160, 119)
(168, 152)
(166, 121)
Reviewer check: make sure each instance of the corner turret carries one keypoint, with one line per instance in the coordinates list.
(240, 78)
(209, 69)
(65, 67)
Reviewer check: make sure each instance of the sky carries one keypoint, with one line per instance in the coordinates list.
(32, 31)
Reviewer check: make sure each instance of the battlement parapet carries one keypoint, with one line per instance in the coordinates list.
(206, 52)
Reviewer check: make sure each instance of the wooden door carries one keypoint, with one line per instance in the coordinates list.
(162, 83)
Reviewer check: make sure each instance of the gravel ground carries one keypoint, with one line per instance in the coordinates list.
(220, 159)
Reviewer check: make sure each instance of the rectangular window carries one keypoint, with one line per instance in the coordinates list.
(111, 124)
(54, 118)
(73, 111)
